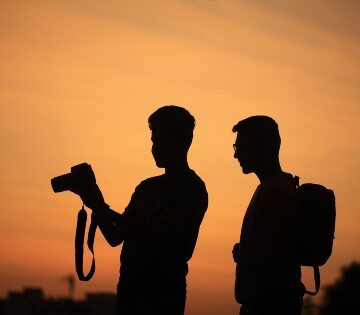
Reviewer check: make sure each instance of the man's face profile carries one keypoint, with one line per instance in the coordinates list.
(245, 153)
(161, 149)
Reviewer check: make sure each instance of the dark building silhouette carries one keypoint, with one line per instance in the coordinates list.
(31, 301)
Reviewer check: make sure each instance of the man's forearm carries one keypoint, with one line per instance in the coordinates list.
(106, 220)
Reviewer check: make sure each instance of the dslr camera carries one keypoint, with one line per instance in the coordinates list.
(80, 178)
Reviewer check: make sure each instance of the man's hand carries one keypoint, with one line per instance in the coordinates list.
(85, 186)
(235, 252)
(92, 197)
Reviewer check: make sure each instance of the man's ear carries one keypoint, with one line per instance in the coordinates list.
(268, 149)
(178, 145)
(264, 149)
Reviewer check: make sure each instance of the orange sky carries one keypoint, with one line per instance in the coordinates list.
(79, 78)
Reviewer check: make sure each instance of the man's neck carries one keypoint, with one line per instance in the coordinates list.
(268, 171)
(177, 169)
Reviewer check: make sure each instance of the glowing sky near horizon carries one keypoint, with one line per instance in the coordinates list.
(79, 79)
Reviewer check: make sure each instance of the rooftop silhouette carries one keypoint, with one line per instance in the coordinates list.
(32, 301)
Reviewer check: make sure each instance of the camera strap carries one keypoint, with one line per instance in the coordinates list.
(79, 244)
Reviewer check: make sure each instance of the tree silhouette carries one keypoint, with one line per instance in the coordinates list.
(342, 297)
(309, 307)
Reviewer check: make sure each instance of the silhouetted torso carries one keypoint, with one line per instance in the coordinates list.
(266, 260)
(156, 261)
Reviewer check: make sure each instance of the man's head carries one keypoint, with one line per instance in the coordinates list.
(172, 132)
(257, 143)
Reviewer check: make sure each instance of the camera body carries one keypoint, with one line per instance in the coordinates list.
(80, 178)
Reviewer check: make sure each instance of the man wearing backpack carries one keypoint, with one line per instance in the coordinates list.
(268, 274)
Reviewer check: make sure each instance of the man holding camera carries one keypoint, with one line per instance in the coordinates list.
(159, 227)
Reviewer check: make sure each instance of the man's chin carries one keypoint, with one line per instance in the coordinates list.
(246, 170)
(160, 164)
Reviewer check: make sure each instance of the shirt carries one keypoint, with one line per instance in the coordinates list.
(267, 256)
(168, 213)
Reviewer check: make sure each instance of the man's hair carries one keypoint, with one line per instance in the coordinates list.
(173, 123)
(261, 129)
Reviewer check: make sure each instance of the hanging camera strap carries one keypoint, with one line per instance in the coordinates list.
(79, 244)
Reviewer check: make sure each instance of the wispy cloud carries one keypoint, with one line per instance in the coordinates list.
(331, 16)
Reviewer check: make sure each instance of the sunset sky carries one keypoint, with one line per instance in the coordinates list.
(78, 80)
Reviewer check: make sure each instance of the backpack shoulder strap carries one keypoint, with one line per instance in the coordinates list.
(294, 179)
(317, 281)
(296, 182)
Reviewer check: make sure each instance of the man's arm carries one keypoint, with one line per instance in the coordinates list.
(175, 221)
(179, 218)
(106, 218)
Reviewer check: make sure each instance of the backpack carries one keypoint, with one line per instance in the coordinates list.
(317, 204)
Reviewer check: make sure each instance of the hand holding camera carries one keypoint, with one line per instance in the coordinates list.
(81, 181)
(93, 198)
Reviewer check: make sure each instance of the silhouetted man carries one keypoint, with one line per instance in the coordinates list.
(268, 275)
(159, 227)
